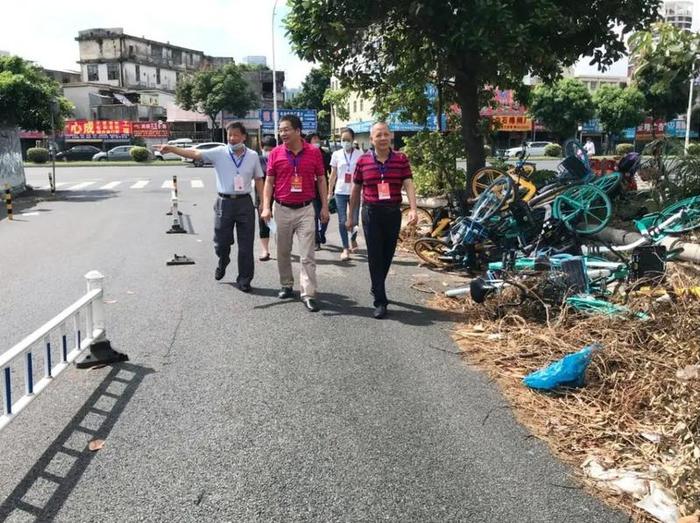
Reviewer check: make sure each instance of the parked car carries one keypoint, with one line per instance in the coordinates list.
(119, 153)
(201, 147)
(78, 152)
(171, 156)
(532, 148)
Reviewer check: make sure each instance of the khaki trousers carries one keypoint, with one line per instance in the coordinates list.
(302, 223)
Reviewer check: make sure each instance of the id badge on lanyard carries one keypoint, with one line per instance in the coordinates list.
(238, 184)
(297, 183)
(348, 172)
(383, 191)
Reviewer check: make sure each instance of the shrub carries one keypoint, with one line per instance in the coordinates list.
(487, 151)
(138, 141)
(38, 155)
(694, 149)
(623, 148)
(553, 150)
(542, 177)
(433, 158)
(140, 154)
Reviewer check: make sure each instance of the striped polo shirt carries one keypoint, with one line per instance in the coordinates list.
(368, 174)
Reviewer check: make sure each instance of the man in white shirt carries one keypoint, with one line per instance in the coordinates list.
(236, 168)
(589, 147)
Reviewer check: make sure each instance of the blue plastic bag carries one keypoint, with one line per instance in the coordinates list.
(567, 372)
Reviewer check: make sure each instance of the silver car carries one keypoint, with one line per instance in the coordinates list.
(202, 147)
(119, 153)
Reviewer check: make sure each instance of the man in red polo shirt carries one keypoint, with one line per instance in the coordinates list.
(379, 176)
(294, 172)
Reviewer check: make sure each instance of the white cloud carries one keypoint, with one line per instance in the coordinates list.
(45, 31)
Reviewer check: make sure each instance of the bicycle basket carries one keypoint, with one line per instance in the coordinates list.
(571, 168)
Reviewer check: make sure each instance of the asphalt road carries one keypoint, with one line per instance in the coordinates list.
(240, 407)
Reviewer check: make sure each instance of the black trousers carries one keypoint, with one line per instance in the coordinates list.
(381, 224)
(238, 214)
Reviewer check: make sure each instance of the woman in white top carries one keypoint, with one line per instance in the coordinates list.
(340, 185)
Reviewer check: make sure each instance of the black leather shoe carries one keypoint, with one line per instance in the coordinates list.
(380, 311)
(310, 304)
(219, 273)
(244, 287)
(285, 293)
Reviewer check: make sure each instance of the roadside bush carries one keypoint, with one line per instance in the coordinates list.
(542, 177)
(138, 141)
(694, 149)
(38, 155)
(623, 148)
(139, 154)
(433, 158)
(553, 150)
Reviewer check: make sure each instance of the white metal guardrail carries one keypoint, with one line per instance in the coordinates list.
(76, 328)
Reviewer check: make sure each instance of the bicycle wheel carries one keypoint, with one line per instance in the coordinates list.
(433, 252)
(421, 228)
(690, 219)
(608, 183)
(584, 209)
(483, 178)
(492, 199)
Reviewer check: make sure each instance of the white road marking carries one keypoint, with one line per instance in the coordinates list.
(29, 214)
(82, 185)
(110, 185)
(197, 184)
(167, 184)
(140, 184)
(61, 184)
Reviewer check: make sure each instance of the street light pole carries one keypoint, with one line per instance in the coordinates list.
(687, 116)
(54, 109)
(274, 74)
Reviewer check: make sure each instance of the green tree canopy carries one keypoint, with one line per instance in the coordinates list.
(665, 58)
(26, 96)
(214, 90)
(562, 106)
(461, 46)
(313, 89)
(618, 108)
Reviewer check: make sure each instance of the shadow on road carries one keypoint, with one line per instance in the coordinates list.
(30, 199)
(48, 484)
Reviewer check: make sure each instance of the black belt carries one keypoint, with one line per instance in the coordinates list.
(294, 205)
(233, 196)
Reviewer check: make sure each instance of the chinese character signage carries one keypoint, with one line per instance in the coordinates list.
(150, 129)
(650, 128)
(307, 116)
(518, 123)
(97, 129)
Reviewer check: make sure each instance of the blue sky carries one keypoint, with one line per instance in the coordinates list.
(44, 31)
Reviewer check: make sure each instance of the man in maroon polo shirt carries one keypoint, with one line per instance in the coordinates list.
(379, 177)
(294, 172)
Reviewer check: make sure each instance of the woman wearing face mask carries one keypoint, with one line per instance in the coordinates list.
(268, 144)
(342, 168)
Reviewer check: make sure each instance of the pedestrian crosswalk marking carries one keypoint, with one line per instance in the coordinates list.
(110, 185)
(61, 184)
(167, 184)
(82, 185)
(140, 184)
(197, 184)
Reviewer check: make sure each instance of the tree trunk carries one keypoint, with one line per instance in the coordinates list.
(468, 97)
(11, 167)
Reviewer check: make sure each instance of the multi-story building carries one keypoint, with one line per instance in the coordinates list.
(111, 57)
(255, 60)
(679, 13)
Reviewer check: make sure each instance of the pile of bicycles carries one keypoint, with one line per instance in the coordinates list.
(542, 242)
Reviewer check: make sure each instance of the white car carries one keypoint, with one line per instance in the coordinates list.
(531, 149)
(171, 156)
(200, 147)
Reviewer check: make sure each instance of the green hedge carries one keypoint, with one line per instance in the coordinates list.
(140, 154)
(38, 155)
(542, 177)
(623, 148)
(553, 150)
(694, 149)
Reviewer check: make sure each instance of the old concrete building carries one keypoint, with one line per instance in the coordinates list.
(111, 57)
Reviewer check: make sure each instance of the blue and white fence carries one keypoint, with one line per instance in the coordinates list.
(55, 345)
